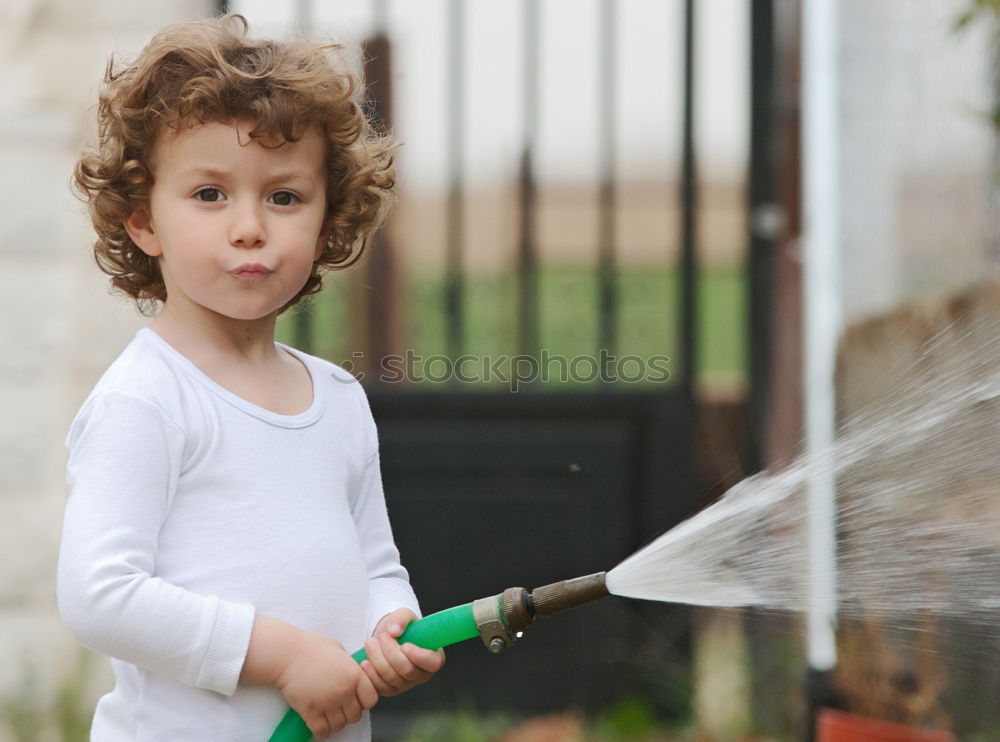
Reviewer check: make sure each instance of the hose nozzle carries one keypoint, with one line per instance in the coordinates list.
(502, 618)
(561, 596)
(499, 620)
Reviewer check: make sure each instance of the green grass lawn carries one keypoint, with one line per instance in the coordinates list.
(647, 322)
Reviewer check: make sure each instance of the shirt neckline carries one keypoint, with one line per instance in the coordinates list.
(299, 420)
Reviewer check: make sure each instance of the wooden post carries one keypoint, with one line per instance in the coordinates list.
(376, 323)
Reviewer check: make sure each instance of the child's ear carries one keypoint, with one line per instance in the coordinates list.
(140, 228)
(325, 235)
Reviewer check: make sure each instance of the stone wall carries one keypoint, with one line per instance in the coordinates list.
(59, 325)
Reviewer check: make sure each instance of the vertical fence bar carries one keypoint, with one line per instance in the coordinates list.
(606, 283)
(689, 217)
(765, 222)
(527, 258)
(302, 331)
(377, 293)
(454, 284)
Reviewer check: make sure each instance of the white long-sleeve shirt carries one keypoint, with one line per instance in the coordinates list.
(192, 509)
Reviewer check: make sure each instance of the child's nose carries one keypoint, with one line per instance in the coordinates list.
(248, 227)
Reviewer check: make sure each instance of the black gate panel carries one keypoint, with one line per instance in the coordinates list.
(492, 491)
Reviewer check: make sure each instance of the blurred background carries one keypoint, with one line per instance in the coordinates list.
(585, 321)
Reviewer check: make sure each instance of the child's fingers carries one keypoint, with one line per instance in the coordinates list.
(395, 623)
(428, 660)
(395, 630)
(415, 673)
(379, 669)
(367, 693)
(393, 668)
(381, 688)
(352, 711)
(336, 721)
(320, 726)
(403, 672)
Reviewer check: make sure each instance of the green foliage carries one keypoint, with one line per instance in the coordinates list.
(648, 317)
(24, 714)
(29, 716)
(458, 726)
(630, 719)
(671, 684)
(977, 9)
(989, 12)
(72, 709)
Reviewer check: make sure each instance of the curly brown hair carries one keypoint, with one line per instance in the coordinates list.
(210, 71)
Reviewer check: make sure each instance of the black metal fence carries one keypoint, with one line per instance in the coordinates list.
(491, 489)
(380, 305)
(492, 486)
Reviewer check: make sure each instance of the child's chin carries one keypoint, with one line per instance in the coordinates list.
(249, 314)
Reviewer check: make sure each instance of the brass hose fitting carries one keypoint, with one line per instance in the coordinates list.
(502, 618)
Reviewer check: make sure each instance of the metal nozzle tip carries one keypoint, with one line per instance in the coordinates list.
(560, 596)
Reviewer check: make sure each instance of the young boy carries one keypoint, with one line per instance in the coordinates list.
(226, 541)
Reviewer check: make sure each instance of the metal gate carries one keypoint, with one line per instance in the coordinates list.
(490, 487)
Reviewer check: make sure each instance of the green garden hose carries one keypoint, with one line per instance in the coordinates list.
(435, 631)
(498, 620)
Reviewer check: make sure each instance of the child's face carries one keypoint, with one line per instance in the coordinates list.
(236, 225)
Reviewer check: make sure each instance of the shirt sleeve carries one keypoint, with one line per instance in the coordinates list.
(124, 464)
(388, 582)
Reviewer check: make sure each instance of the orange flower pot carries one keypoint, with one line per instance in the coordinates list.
(839, 726)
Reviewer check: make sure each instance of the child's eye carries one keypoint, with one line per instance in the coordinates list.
(284, 198)
(209, 195)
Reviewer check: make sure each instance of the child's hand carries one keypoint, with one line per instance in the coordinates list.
(392, 667)
(325, 685)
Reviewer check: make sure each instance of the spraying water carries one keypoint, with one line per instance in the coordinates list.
(918, 510)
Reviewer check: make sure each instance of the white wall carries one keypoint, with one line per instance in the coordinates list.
(918, 170)
(58, 325)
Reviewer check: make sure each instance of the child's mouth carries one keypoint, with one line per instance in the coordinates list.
(251, 271)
